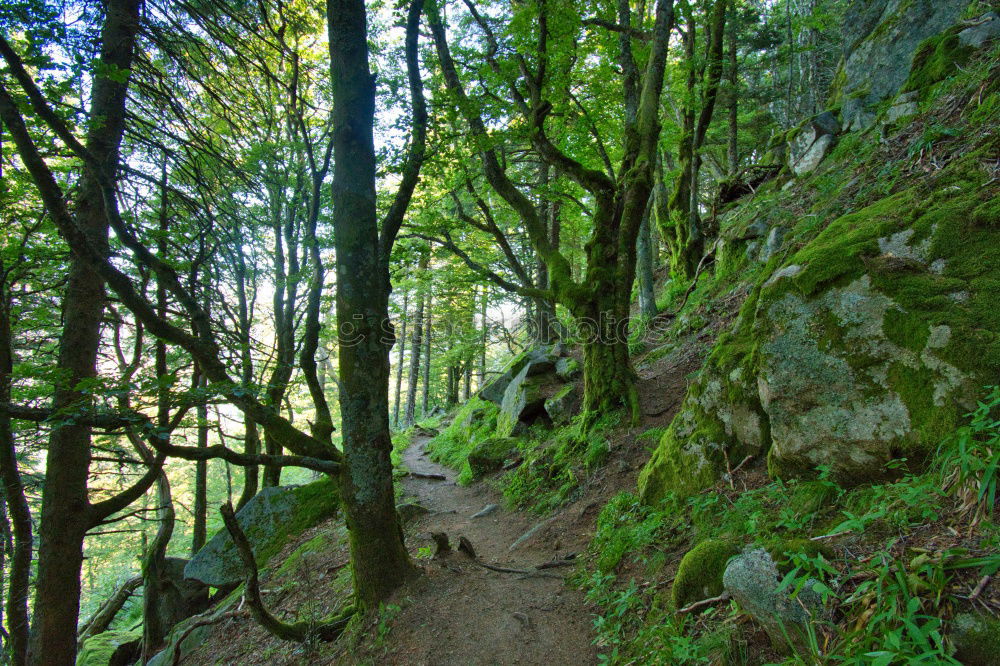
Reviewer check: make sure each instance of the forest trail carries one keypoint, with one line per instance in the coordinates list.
(467, 614)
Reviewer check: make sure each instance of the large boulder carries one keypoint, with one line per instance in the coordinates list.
(529, 363)
(269, 520)
(524, 400)
(885, 38)
(753, 580)
(179, 597)
(111, 648)
(490, 455)
(869, 344)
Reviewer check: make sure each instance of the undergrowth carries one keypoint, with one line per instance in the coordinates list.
(894, 562)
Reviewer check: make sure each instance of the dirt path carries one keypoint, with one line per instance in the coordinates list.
(464, 614)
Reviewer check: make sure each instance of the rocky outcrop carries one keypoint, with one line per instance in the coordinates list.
(877, 61)
(269, 520)
(535, 386)
(865, 338)
(179, 597)
(868, 344)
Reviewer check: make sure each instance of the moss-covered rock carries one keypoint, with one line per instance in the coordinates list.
(888, 34)
(563, 404)
(523, 401)
(976, 639)
(699, 574)
(111, 648)
(937, 58)
(270, 519)
(867, 344)
(753, 579)
(490, 455)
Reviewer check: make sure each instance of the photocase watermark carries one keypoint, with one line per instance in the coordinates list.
(607, 329)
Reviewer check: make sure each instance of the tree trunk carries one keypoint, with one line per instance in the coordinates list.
(65, 516)
(18, 590)
(399, 360)
(734, 107)
(379, 560)
(199, 532)
(428, 320)
(416, 350)
(644, 264)
(251, 438)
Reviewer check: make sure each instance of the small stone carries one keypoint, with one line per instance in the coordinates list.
(486, 510)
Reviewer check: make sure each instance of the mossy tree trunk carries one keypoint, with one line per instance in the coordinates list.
(681, 227)
(379, 559)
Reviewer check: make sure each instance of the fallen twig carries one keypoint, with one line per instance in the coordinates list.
(983, 582)
(430, 477)
(725, 596)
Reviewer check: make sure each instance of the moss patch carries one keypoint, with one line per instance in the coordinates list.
(490, 455)
(936, 59)
(699, 574)
(98, 650)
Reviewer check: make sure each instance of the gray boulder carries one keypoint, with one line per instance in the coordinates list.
(535, 361)
(179, 596)
(523, 401)
(811, 143)
(904, 105)
(752, 579)
(568, 369)
(269, 520)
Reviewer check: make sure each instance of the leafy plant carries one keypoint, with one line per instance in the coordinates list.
(969, 460)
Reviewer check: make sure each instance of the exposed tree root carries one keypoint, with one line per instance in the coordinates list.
(297, 631)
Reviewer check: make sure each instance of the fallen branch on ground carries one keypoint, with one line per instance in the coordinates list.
(431, 477)
(725, 596)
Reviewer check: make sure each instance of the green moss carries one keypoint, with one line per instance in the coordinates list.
(318, 543)
(937, 58)
(906, 330)
(809, 497)
(474, 422)
(976, 638)
(837, 87)
(683, 462)
(98, 650)
(782, 550)
(699, 574)
(490, 455)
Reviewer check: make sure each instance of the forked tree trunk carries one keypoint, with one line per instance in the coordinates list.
(65, 516)
(379, 559)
